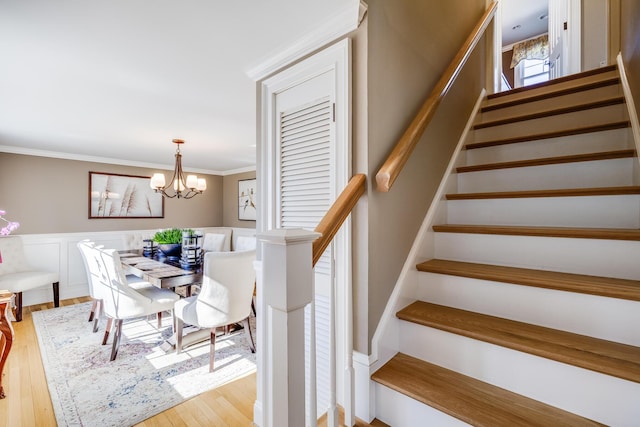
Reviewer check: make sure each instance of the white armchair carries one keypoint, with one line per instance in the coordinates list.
(17, 275)
(121, 300)
(225, 297)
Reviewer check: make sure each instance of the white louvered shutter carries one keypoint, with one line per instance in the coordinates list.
(305, 168)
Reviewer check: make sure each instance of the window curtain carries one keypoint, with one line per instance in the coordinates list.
(537, 48)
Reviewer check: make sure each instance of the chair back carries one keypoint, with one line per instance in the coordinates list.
(12, 255)
(227, 285)
(109, 283)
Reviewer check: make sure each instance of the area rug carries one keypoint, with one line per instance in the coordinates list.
(88, 390)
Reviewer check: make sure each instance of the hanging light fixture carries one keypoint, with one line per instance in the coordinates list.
(182, 188)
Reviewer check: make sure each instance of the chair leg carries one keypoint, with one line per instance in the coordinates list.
(56, 294)
(18, 313)
(93, 309)
(249, 334)
(212, 348)
(253, 306)
(96, 315)
(179, 327)
(107, 330)
(159, 319)
(116, 340)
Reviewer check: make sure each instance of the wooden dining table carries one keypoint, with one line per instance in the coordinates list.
(160, 271)
(167, 273)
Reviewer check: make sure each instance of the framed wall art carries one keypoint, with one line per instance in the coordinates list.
(123, 196)
(247, 199)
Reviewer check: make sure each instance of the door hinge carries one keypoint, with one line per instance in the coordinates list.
(565, 25)
(334, 112)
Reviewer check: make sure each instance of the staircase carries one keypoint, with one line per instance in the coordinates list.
(529, 312)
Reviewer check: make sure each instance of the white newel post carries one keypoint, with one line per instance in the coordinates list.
(286, 284)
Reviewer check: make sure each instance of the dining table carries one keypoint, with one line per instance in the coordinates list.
(160, 271)
(168, 273)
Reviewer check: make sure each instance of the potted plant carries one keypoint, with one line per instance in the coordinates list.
(170, 241)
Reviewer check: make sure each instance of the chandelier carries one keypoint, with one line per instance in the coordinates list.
(178, 186)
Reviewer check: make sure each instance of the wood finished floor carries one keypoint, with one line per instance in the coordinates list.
(28, 402)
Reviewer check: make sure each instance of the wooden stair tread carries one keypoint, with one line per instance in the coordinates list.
(607, 357)
(468, 399)
(553, 82)
(568, 232)
(542, 96)
(569, 282)
(565, 192)
(549, 135)
(552, 112)
(574, 158)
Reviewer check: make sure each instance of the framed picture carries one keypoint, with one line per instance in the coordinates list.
(123, 196)
(247, 199)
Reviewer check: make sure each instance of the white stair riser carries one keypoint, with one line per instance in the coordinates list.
(584, 211)
(399, 410)
(569, 100)
(551, 88)
(591, 315)
(596, 257)
(580, 391)
(601, 173)
(576, 119)
(617, 139)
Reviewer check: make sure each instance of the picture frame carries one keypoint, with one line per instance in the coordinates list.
(123, 196)
(247, 191)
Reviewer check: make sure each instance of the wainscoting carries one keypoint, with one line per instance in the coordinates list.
(58, 252)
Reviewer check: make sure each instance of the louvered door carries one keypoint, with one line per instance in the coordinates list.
(305, 168)
(305, 162)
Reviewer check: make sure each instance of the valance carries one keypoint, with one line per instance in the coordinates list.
(537, 48)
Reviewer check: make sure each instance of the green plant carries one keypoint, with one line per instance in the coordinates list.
(171, 235)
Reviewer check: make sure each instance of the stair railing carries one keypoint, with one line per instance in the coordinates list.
(392, 167)
(286, 279)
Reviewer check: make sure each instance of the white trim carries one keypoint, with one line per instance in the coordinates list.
(112, 161)
(384, 343)
(339, 25)
(335, 58)
(631, 107)
(574, 35)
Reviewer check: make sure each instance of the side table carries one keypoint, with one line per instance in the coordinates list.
(6, 333)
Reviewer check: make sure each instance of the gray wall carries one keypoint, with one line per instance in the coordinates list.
(594, 33)
(49, 195)
(230, 200)
(410, 44)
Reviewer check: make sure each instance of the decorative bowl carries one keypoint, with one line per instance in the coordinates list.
(171, 250)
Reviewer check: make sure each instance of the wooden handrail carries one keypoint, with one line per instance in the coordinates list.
(391, 168)
(337, 213)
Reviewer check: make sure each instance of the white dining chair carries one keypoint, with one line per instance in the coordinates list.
(121, 300)
(16, 275)
(224, 299)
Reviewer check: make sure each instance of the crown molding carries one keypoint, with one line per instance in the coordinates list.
(108, 160)
(342, 23)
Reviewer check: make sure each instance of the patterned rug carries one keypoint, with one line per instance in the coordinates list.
(88, 390)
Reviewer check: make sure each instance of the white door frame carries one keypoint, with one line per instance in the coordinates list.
(335, 58)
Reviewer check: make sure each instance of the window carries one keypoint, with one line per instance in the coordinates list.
(531, 71)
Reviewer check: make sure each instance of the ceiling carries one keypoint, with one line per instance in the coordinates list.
(117, 80)
(524, 15)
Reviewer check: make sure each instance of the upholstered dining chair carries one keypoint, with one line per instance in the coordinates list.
(16, 275)
(121, 300)
(224, 298)
(96, 307)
